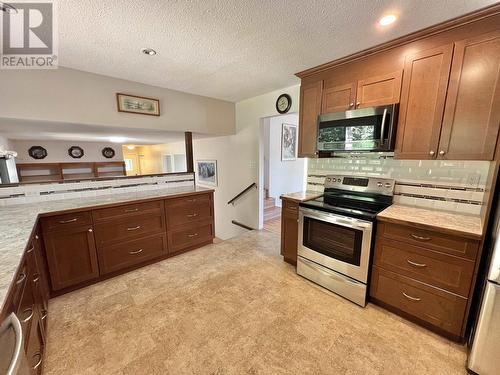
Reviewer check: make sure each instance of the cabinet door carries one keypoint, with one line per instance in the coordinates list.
(338, 98)
(422, 103)
(71, 256)
(379, 90)
(472, 114)
(289, 231)
(310, 107)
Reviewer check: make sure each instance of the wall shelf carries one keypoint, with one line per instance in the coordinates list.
(57, 172)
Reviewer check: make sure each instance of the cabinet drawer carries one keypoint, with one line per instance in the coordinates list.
(435, 306)
(191, 199)
(114, 231)
(181, 239)
(441, 270)
(126, 254)
(19, 284)
(445, 243)
(185, 213)
(128, 210)
(62, 222)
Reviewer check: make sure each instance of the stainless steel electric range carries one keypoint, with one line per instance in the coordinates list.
(336, 233)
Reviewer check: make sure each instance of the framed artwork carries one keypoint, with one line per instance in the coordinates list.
(37, 152)
(288, 142)
(76, 152)
(207, 172)
(138, 104)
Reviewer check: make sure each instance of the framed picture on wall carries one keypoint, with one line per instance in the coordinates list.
(288, 142)
(138, 104)
(207, 172)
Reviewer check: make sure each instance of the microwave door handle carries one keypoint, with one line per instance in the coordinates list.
(382, 129)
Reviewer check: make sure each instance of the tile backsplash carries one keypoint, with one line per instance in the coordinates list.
(33, 193)
(456, 186)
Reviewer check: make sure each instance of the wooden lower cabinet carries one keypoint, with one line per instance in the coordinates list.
(124, 236)
(425, 276)
(289, 230)
(71, 256)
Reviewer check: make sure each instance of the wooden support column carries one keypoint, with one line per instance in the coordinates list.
(189, 152)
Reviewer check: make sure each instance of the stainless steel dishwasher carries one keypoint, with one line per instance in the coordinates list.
(12, 357)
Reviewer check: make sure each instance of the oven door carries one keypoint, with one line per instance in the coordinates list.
(337, 242)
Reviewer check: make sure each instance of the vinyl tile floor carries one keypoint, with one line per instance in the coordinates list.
(233, 308)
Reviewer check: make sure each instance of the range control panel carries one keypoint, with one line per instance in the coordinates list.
(361, 184)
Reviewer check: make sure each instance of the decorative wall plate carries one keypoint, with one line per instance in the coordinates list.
(37, 152)
(76, 152)
(108, 152)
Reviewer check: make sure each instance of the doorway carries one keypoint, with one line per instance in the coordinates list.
(282, 171)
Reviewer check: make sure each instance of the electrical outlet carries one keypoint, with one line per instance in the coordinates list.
(473, 179)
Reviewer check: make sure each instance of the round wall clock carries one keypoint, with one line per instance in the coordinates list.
(76, 152)
(283, 103)
(37, 152)
(108, 152)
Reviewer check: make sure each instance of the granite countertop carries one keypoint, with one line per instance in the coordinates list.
(301, 196)
(18, 222)
(449, 222)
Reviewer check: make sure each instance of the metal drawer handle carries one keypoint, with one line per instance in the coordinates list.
(36, 277)
(27, 319)
(420, 238)
(134, 228)
(39, 361)
(192, 235)
(421, 265)
(22, 277)
(132, 210)
(191, 200)
(410, 297)
(30, 250)
(44, 314)
(68, 221)
(135, 252)
(192, 215)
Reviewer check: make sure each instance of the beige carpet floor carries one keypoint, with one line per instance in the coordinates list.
(233, 308)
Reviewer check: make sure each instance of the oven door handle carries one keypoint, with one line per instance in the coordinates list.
(334, 219)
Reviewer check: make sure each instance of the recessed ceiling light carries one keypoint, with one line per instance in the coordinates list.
(387, 19)
(7, 8)
(117, 139)
(148, 51)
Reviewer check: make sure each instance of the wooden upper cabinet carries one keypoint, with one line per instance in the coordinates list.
(379, 90)
(472, 114)
(423, 97)
(310, 108)
(338, 98)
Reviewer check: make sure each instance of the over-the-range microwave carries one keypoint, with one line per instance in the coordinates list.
(366, 129)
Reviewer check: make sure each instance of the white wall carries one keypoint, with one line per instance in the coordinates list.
(71, 96)
(5, 143)
(238, 162)
(284, 176)
(57, 151)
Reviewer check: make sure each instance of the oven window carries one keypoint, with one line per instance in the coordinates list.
(333, 240)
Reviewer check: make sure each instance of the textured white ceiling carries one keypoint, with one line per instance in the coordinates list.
(231, 49)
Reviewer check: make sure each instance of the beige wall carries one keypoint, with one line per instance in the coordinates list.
(239, 162)
(57, 151)
(72, 96)
(5, 144)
